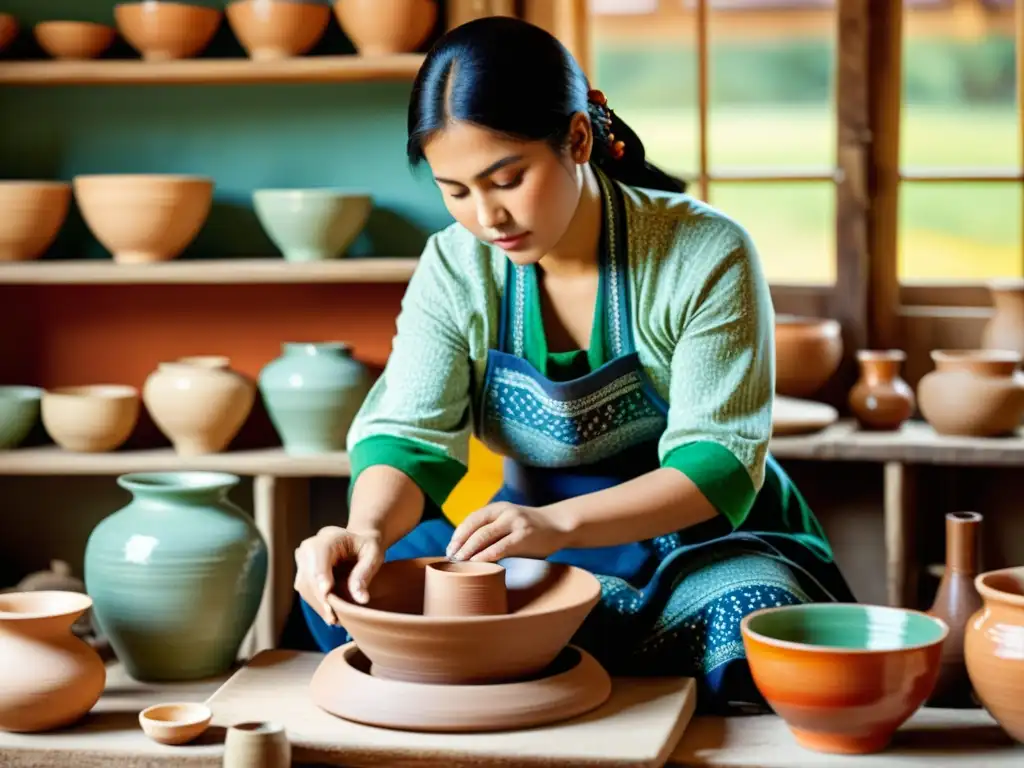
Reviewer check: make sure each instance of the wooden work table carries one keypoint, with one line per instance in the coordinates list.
(110, 736)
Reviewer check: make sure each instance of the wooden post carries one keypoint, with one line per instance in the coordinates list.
(899, 513)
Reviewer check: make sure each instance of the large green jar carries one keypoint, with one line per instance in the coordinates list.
(312, 393)
(176, 576)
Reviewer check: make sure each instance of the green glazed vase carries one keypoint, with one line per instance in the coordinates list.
(312, 393)
(176, 576)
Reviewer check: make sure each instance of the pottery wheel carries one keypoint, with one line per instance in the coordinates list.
(572, 685)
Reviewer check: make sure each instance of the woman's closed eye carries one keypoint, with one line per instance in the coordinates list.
(512, 183)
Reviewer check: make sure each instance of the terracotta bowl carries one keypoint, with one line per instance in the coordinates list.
(808, 351)
(175, 723)
(547, 603)
(994, 647)
(164, 31)
(8, 29)
(33, 213)
(91, 419)
(19, 412)
(77, 40)
(381, 27)
(277, 29)
(843, 676)
(144, 218)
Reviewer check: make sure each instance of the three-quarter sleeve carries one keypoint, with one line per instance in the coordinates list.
(417, 417)
(722, 380)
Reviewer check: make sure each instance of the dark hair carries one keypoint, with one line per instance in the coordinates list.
(515, 78)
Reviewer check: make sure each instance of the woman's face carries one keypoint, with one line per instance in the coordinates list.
(517, 195)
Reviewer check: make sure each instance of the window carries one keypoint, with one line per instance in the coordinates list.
(738, 97)
(960, 194)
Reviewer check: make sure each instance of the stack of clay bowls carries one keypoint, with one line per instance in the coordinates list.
(446, 646)
(165, 31)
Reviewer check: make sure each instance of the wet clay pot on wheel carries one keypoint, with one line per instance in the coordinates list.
(975, 393)
(955, 602)
(808, 351)
(49, 678)
(994, 648)
(464, 589)
(881, 400)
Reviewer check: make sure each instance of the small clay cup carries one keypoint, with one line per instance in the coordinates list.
(176, 722)
(257, 745)
(464, 589)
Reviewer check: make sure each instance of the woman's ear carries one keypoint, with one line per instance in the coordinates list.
(581, 138)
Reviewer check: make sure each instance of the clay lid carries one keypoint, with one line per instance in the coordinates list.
(547, 603)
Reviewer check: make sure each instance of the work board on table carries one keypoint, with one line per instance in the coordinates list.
(638, 726)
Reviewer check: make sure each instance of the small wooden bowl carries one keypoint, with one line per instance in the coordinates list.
(74, 40)
(175, 723)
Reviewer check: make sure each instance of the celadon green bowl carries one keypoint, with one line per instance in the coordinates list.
(312, 224)
(19, 412)
(843, 676)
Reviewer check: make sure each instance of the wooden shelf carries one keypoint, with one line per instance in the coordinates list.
(198, 271)
(301, 69)
(53, 461)
(915, 443)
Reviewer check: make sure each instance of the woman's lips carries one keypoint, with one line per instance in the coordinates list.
(512, 243)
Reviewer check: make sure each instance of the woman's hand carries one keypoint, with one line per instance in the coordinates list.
(506, 530)
(315, 560)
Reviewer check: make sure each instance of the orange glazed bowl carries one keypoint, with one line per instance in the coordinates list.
(545, 604)
(843, 676)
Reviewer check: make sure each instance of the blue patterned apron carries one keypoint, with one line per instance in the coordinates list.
(670, 605)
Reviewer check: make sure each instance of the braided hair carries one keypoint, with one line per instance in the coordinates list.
(515, 78)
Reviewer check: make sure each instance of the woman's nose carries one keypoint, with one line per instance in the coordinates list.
(490, 215)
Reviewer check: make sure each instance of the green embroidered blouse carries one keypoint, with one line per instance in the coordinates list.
(702, 323)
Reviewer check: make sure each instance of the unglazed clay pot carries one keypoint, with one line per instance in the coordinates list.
(994, 648)
(257, 745)
(33, 213)
(1006, 328)
(311, 224)
(198, 403)
(144, 218)
(464, 589)
(955, 602)
(8, 29)
(312, 393)
(163, 31)
(572, 685)
(976, 393)
(50, 677)
(380, 27)
(881, 400)
(74, 40)
(808, 351)
(277, 29)
(19, 412)
(177, 575)
(547, 603)
(90, 419)
(843, 676)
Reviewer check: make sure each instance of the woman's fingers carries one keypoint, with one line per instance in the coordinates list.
(368, 561)
(482, 539)
(469, 527)
(315, 580)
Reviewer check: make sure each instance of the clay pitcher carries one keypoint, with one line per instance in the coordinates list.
(973, 392)
(881, 400)
(955, 602)
(994, 648)
(199, 403)
(49, 678)
(1006, 328)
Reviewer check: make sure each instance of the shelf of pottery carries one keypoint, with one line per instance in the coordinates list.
(275, 34)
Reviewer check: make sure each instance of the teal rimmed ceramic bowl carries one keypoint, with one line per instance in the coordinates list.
(843, 676)
(19, 412)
